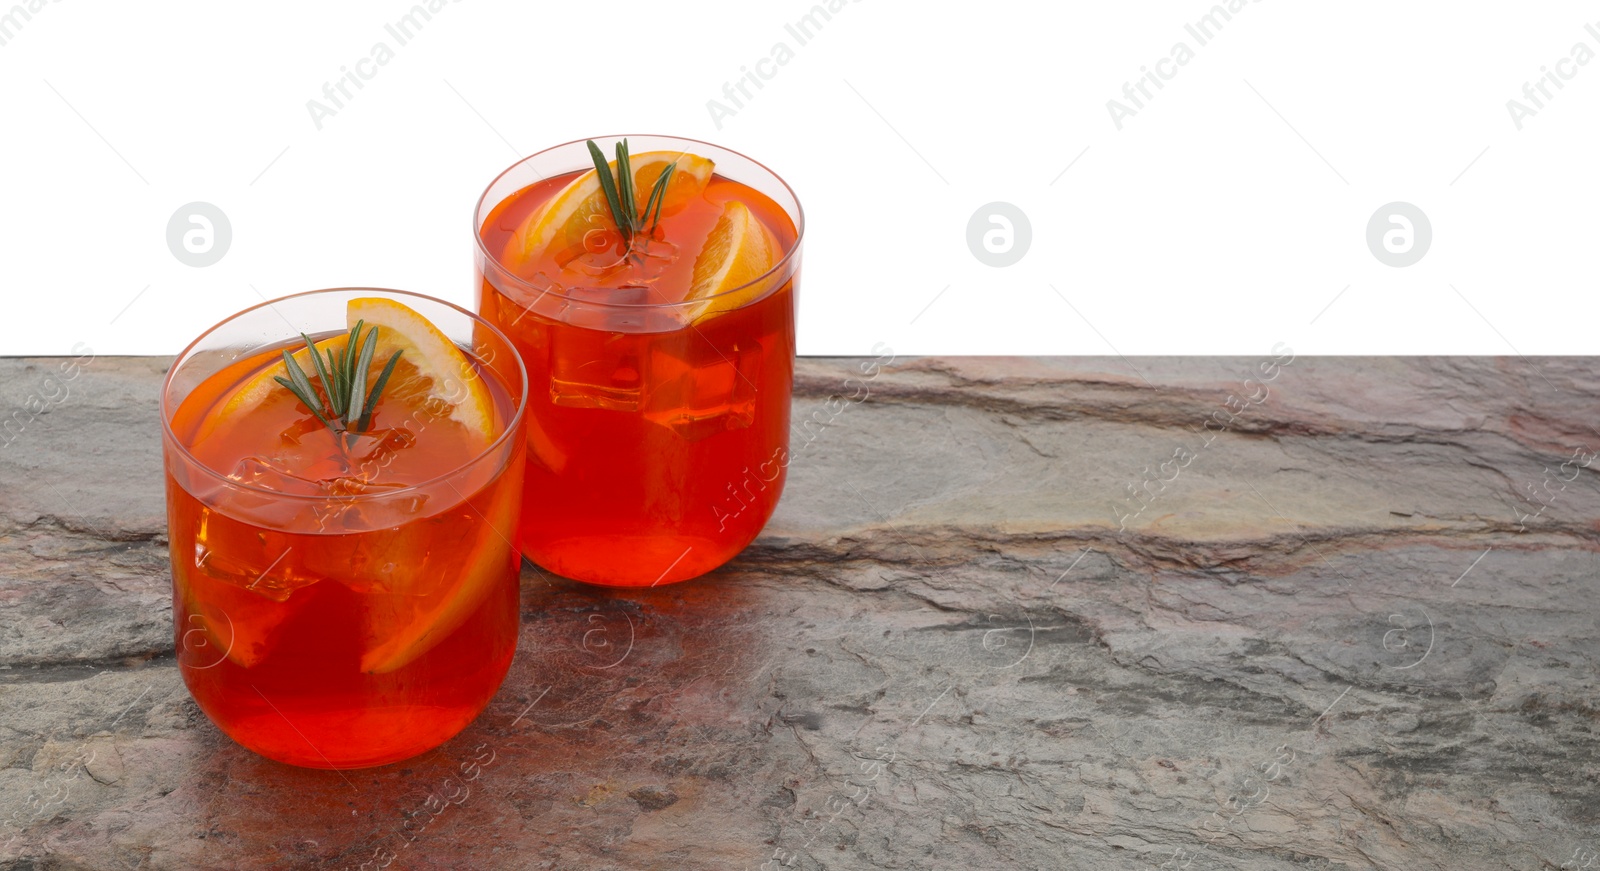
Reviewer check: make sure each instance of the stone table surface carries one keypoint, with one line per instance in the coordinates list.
(1011, 613)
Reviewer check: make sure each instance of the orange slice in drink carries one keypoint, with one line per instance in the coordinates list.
(261, 389)
(433, 598)
(433, 378)
(564, 220)
(739, 250)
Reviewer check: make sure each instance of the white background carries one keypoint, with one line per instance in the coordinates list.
(1228, 214)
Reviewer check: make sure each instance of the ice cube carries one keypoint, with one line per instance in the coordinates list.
(371, 453)
(344, 513)
(243, 555)
(700, 389)
(601, 262)
(300, 429)
(345, 509)
(543, 297)
(604, 257)
(375, 560)
(270, 473)
(596, 369)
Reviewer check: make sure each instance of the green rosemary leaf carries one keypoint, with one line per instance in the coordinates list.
(292, 389)
(377, 390)
(351, 348)
(608, 185)
(358, 381)
(301, 387)
(302, 384)
(625, 195)
(650, 202)
(658, 196)
(316, 360)
(333, 384)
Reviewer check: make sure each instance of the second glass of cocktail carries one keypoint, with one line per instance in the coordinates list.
(649, 284)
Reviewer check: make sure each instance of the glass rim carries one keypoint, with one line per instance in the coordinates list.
(495, 446)
(522, 283)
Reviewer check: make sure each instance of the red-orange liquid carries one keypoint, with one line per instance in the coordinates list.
(657, 450)
(334, 632)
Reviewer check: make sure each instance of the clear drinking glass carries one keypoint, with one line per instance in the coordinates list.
(345, 600)
(658, 424)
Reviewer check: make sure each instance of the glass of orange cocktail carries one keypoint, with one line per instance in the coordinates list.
(344, 473)
(649, 284)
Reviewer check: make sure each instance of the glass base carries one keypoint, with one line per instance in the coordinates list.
(633, 560)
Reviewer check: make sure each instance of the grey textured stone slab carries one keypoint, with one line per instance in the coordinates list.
(1012, 613)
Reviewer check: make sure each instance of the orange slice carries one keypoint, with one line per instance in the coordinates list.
(739, 250)
(429, 599)
(433, 375)
(408, 620)
(261, 388)
(563, 220)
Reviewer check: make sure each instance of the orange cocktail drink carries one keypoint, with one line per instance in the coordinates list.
(653, 304)
(345, 586)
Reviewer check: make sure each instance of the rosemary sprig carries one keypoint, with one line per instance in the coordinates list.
(620, 195)
(342, 407)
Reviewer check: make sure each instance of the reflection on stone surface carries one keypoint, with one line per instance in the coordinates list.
(998, 621)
